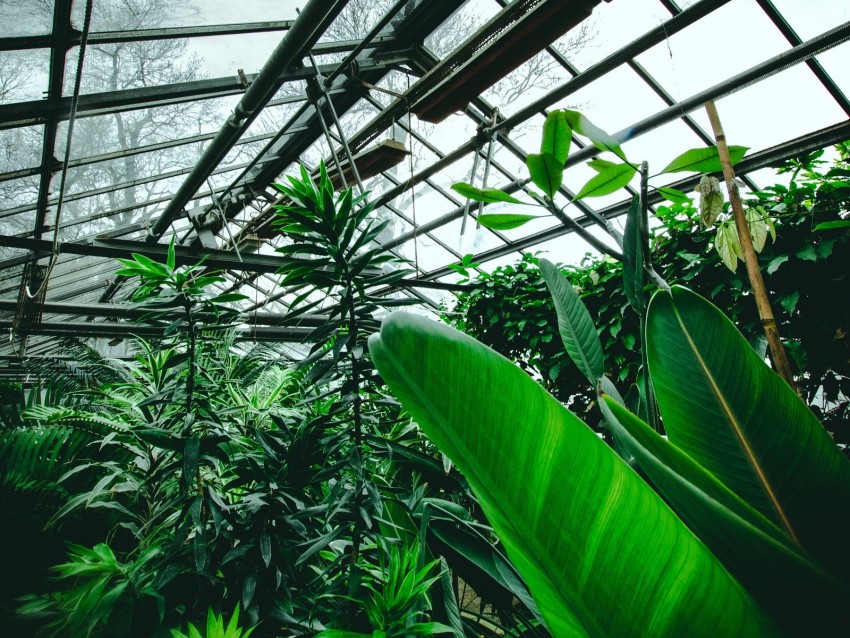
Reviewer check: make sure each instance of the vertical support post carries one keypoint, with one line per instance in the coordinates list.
(771, 331)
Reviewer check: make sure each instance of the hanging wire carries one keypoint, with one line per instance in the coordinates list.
(412, 186)
(54, 255)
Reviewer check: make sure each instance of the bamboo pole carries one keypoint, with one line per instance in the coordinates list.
(768, 322)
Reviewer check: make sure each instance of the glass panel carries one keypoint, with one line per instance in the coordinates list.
(749, 120)
(569, 249)
(834, 62)
(18, 192)
(475, 240)
(26, 18)
(603, 101)
(23, 74)
(131, 129)
(813, 17)
(617, 25)
(527, 83)
(20, 148)
(111, 15)
(426, 253)
(147, 63)
(462, 24)
(681, 63)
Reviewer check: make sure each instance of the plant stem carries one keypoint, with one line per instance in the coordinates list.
(353, 335)
(190, 378)
(771, 331)
(648, 390)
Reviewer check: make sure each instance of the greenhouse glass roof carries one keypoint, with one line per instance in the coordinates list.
(184, 115)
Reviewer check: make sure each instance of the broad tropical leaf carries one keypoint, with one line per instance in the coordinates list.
(557, 136)
(600, 165)
(590, 538)
(703, 160)
(608, 181)
(789, 583)
(504, 221)
(546, 172)
(745, 425)
(674, 195)
(575, 324)
(486, 195)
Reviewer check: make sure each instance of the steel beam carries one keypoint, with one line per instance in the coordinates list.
(135, 35)
(115, 248)
(124, 330)
(37, 112)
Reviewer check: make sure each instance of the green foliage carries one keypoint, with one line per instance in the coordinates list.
(397, 598)
(102, 595)
(511, 311)
(737, 426)
(216, 628)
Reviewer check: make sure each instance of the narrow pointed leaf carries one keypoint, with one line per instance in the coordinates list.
(608, 181)
(504, 221)
(557, 136)
(703, 160)
(589, 537)
(575, 324)
(742, 423)
(546, 172)
(486, 195)
(674, 195)
(633, 275)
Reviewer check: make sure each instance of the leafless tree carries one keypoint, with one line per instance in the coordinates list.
(118, 67)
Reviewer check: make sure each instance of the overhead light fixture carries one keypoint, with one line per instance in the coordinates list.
(369, 162)
(481, 62)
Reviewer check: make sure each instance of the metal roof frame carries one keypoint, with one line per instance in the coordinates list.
(395, 40)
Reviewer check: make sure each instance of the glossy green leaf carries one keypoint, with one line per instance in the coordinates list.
(557, 136)
(797, 591)
(600, 139)
(840, 223)
(600, 551)
(600, 165)
(608, 181)
(504, 221)
(633, 275)
(674, 195)
(742, 423)
(486, 195)
(546, 172)
(703, 160)
(575, 324)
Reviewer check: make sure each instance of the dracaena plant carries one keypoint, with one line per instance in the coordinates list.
(389, 488)
(748, 539)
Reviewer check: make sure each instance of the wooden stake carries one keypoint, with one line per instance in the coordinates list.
(768, 322)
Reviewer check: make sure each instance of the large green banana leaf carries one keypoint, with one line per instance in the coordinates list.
(600, 551)
(798, 592)
(724, 407)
